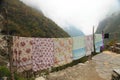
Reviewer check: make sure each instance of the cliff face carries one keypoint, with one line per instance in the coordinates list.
(26, 21)
(110, 24)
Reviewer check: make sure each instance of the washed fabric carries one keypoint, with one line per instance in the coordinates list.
(63, 51)
(89, 44)
(98, 37)
(78, 47)
(22, 53)
(98, 45)
(43, 54)
(98, 42)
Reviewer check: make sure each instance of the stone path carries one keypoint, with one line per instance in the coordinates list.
(99, 68)
(105, 63)
(78, 72)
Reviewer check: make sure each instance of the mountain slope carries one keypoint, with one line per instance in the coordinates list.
(26, 21)
(111, 25)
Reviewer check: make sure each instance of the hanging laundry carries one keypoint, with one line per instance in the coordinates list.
(78, 47)
(98, 42)
(63, 51)
(22, 53)
(98, 37)
(89, 44)
(43, 53)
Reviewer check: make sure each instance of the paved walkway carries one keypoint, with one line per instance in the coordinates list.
(105, 63)
(99, 68)
(78, 72)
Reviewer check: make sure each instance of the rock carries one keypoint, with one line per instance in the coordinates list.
(40, 78)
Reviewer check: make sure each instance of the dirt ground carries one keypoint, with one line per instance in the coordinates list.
(99, 68)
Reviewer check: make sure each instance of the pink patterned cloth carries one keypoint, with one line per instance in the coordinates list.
(22, 53)
(43, 53)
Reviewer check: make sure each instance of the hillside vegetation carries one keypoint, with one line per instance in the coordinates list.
(111, 25)
(26, 21)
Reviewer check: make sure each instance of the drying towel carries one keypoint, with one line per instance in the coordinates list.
(22, 53)
(89, 44)
(63, 51)
(78, 47)
(98, 42)
(43, 56)
(98, 45)
(98, 37)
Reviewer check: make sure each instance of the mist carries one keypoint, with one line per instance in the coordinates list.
(83, 14)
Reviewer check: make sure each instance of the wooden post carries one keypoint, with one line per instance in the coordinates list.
(9, 43)
(94, 41)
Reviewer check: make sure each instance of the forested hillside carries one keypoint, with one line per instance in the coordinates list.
(111, 25)
(26, 21)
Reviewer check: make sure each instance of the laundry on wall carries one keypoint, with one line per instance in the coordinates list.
(78, 47)
(42, 53)
(22, 53)
(89, 44)
(98, 42)
(62, 51)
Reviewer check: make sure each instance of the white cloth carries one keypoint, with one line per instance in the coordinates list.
(89, 44)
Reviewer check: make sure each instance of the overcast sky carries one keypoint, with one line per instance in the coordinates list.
(83, 14)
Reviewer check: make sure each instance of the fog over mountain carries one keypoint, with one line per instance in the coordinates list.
(73, 31)
(83, 14)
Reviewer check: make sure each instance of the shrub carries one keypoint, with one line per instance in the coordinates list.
(4, 71)
(17, 77)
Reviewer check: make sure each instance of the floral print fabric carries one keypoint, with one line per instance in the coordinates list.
(32, 53)
(22, 53)
(63, 51)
